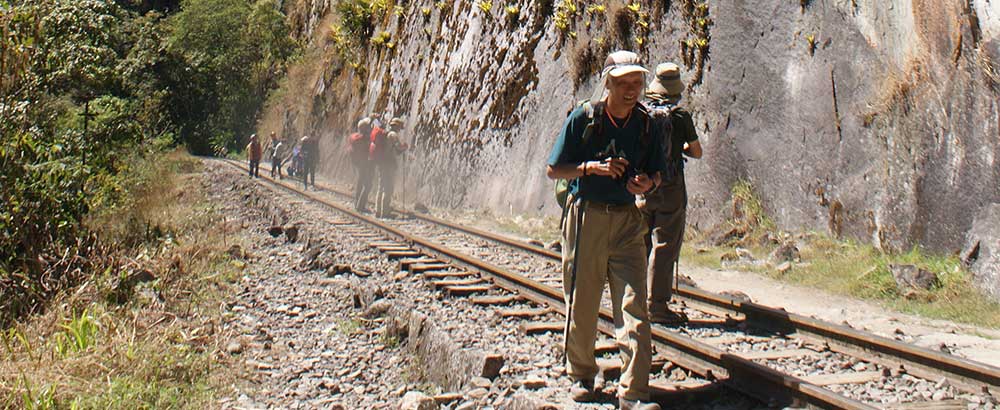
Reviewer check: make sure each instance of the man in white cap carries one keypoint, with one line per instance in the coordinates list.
(666, 207)
(606, 149)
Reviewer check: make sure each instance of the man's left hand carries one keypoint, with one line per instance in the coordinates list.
(639, 184)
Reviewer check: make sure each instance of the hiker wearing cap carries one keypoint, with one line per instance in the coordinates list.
(310, 157)
(358, 144)
(253, 156)
(387, 163)
(606, 148)
(666, 207)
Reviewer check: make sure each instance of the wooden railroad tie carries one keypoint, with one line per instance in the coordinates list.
(729, 339)
(445, 398)
(610, 368)
(843, 378)
(467, 290)
(393, 248)
(953, 404)
(424, 267)
(456, 282)
(402, 254)
(404, 264)
(606, 347)
(496, 300)
(659, 388)
(532, 328)
(777, 354)
(525, 313)
(448, 274)
(380, 244)
(714, 321)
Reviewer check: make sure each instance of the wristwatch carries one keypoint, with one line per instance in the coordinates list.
(653, 189)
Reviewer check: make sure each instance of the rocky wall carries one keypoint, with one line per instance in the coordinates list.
(871, 119)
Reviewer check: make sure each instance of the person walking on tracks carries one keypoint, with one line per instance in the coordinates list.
(606, 148)
(310, 156)
(277, 155)
(253, 156)
(387, 163)
(358, 146)
(666, 207)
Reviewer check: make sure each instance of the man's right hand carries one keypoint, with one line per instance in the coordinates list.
(610, 167)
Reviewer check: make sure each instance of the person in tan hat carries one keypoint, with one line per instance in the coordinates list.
(605, 150)
(666, 207)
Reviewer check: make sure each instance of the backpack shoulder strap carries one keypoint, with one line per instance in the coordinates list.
(594, 111)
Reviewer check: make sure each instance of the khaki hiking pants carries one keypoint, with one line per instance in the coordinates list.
(665, 212)
(383, 196)
(611, 250)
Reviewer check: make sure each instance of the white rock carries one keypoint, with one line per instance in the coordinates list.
(417, 401)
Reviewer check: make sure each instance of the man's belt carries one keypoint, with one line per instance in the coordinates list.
(605, 207)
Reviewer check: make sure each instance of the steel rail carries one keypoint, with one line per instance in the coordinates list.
(762, 382)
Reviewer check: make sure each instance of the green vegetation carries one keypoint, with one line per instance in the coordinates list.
(84, 85)
(695, 48)
(513, 13)
(356, 28)
(565, 14)
(486, 6)
(349, 327)
(97, 348)
(93, 95)
(383, 39)
(843, 267)
(596, 9)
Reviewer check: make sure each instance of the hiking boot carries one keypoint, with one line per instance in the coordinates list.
(624, 404)
(667, 317)
(582, 390)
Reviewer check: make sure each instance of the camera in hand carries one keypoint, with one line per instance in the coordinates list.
(612, 152)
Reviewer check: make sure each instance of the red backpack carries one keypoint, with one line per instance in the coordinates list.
(377, 145)
(357, 145)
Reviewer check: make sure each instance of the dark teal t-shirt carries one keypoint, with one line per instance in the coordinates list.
(569, 149)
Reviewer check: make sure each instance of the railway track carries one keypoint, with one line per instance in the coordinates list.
(780, 358)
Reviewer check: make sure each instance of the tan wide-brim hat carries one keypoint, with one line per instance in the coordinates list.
(667, 81)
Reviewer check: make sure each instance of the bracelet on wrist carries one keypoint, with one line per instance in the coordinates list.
(584, 168)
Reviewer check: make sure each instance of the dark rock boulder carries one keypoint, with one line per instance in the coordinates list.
(911, 277)
(787, 252)
(982, 250)
(275, 231)
(291, 233)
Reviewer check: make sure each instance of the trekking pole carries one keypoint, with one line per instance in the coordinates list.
(572, 277)
(402, 194)
(677, 274)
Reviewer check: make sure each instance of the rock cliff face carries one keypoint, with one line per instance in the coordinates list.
(866, 118)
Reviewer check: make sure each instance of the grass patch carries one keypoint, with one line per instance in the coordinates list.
(349, 327)
(844, 267)
(152, 344)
